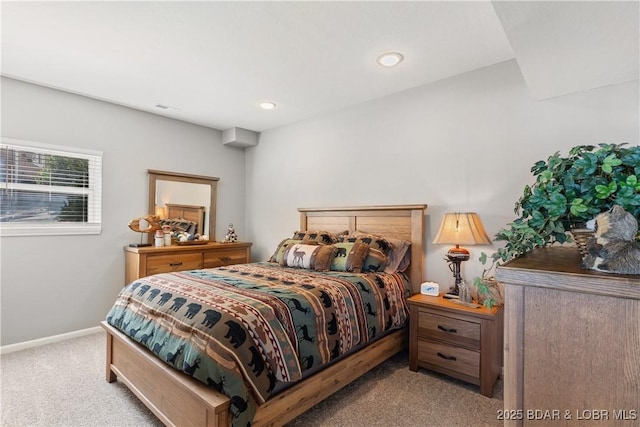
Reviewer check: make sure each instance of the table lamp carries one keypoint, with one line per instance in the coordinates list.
(460, 228)
(160, 212)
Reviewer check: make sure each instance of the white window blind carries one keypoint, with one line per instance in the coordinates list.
(49, 190)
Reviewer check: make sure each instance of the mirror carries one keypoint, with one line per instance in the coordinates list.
(175, 192)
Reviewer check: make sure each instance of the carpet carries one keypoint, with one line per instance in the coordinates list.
(63, 384)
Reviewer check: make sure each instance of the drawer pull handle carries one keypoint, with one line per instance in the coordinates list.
(444, 356)
(225, 259)
(449, 330)
(175, 264)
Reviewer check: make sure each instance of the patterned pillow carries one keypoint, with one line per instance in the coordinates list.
(181, 224)
(299, 235)
(374, 241)
(374, 262)
(349, 257)
(311, 257)
(283, 246)
(320, 237)
(340, 235)
(399, 257)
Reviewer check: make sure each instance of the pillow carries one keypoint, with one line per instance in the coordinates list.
(320, 237)
(180, 224)
(349, 257)
(400, 256)
(372, 240)
(374, 262)
(299, 235)
(282, 246)
(340, 235)
(311, 257)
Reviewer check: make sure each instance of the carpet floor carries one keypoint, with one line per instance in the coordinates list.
(63, 384)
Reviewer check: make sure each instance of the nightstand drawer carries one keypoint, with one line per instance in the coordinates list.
(455, 359)
(225, 257)
(449, 329)
(173, 262)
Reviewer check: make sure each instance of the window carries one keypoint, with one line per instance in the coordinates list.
(48, 190)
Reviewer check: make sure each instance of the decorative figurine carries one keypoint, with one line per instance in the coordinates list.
(231, 235)
(152, 224)
(614, 248)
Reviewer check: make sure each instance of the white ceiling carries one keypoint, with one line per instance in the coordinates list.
(565, 47)
(215, 61)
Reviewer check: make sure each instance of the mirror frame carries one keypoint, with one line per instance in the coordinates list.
(155, 175)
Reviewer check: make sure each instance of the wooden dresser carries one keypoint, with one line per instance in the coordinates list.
(572, 342)
(459, 341)
(141, 262)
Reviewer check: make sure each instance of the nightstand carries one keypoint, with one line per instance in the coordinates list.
(459, 341)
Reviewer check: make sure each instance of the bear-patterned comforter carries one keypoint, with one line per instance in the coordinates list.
(248, 329)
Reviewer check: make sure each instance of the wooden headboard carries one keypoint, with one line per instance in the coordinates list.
(188, 212)
(401, 222)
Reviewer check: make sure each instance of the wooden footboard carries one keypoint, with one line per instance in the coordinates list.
(176, 399)
(285, 406)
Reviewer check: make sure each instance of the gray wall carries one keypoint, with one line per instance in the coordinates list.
(463, 144)
(54, 285)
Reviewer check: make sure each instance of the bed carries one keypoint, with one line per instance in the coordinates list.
(186, 219)
(193, 214)
(178, 399)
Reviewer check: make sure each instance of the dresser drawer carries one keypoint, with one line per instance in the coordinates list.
(457, 359)
(145, 261)
(222, 257)
(449, 329)
(173, 262)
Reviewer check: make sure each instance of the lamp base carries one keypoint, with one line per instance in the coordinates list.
(456, 256)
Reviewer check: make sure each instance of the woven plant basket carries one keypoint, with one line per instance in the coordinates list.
(581, 236)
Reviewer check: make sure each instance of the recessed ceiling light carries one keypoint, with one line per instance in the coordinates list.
(389, 59)
(267, 105)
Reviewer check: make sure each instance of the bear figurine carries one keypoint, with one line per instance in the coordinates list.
(231, 236)
(614, 248)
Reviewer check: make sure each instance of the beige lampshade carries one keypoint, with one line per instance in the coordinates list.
(461, 228)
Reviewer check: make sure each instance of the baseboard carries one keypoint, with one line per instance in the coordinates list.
(48, 340)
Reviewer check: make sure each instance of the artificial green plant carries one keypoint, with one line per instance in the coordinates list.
(568, 192)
